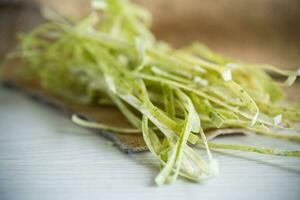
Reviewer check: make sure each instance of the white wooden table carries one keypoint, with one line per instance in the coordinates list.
(43, 155)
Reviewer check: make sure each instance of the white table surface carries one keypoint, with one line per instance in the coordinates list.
(43, 155)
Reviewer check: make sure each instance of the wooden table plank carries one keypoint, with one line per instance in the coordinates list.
(44, 156)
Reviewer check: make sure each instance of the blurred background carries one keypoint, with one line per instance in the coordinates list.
(258, 31)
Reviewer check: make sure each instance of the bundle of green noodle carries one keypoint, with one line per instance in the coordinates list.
(168, 95)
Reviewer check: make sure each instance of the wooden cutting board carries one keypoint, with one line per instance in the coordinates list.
(100, 113)
(129, 143)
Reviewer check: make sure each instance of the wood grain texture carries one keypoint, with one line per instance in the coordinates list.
(44, 156)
